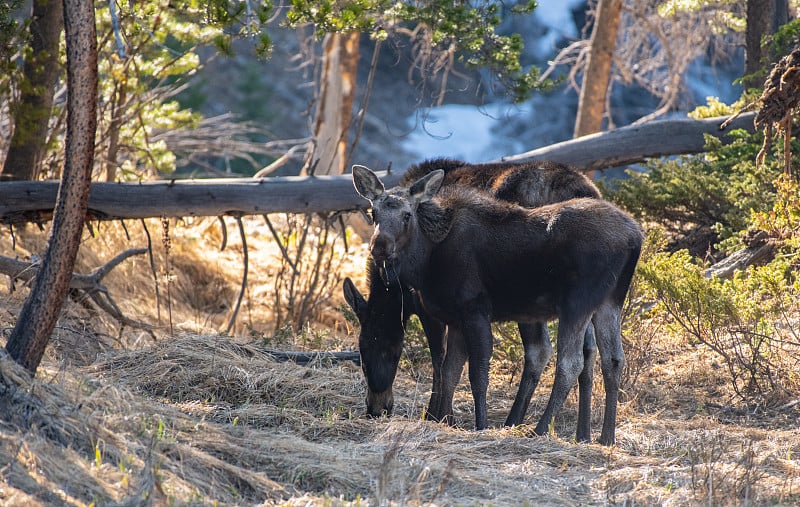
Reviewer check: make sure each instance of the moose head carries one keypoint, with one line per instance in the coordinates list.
(381, 342)
(393, 212)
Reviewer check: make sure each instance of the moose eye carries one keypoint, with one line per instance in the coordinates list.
(406, 217)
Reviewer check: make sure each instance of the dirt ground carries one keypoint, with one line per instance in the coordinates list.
(188, 415)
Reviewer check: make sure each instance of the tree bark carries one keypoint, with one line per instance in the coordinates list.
(32, 201)
(335, 108)
(763, 17)
(40, 75)
(592, 100)
(40, 312)
(780, 14)
(759, 23)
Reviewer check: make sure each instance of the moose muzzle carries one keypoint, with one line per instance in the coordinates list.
(382, 247)
(384, 254)
(380, 404)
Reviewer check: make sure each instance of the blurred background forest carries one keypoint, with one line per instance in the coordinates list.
(241, 89)
(203, 91)
(251, 88)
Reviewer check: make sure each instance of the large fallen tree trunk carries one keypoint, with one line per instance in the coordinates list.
(33, 201)
(636, 143)
(27, 201)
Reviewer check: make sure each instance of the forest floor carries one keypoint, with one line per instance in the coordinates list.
(191, 415)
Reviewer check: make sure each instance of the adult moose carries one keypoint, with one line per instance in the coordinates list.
(475, 260)
(389, 305)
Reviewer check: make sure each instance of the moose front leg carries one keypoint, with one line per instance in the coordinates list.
(440, 407)
(537, 349)
(477, 333)
(435, 333)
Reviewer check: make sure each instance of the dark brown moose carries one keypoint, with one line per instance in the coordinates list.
(475, 260)
(386, 310)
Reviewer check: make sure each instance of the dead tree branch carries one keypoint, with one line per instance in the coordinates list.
(246, 261)
(86, 286)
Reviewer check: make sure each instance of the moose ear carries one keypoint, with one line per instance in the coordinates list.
(426, 187)
(367, 183)
(354, 299)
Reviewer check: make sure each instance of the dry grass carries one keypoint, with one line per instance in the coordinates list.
(196, 418)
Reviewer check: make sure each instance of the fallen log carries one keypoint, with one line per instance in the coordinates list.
(634, 144)
(305, 358)
(751, 255)
(33, 201)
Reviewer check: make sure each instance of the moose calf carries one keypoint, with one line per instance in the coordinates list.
(475, 260)
(384, 313)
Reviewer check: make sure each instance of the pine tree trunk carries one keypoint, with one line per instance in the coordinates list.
(591, 103)
(764, 17)
(40, 312)
(32, 113)
(335, 108)
(759, 21)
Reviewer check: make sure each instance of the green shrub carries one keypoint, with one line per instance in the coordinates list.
(750, 320)
(701, 200)
(745, 320)
(715, 203)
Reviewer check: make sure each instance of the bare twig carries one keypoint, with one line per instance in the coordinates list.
(282, 160)
(167, 244)
(88, 284)
(232, 320)
(26, 271)
(224, 234)
(125, 229)
(280, 245)
(153, 269)
(301, 357)
(112, 5)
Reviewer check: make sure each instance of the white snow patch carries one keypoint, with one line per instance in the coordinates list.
(557, 15)
(461, 131)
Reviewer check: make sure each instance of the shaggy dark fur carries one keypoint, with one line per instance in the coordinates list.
(530, 184)
(388, 306)
(572, 260)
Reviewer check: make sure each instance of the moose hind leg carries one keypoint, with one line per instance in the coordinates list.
(537, 348)
(569, 364)
(585, 382)
(612, 361)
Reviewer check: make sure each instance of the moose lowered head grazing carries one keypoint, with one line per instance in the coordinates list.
(388, 306)
(475, 260)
